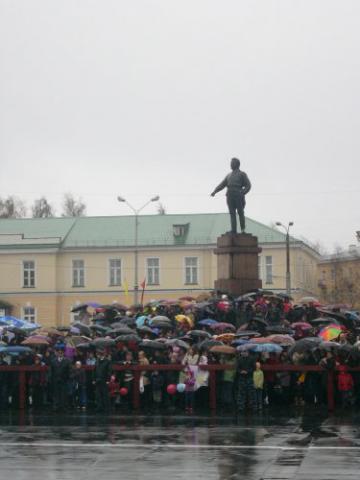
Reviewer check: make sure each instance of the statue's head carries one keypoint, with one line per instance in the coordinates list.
(235, 163)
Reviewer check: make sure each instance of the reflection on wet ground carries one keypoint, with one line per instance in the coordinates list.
(299, 445)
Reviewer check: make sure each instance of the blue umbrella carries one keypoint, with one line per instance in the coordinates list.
(237, 343)
(207, 322)
(15, 350)
(11, 321)
(260, 348)
(140, 321)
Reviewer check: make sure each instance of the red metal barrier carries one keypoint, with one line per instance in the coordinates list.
(212, 369)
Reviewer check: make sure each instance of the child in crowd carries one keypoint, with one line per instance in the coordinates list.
(299, 390)
(79, 399)
(258, 377)
(345, 387)
(114, 391)
(189, 390)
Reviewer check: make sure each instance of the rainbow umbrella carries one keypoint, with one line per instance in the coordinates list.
(330, 332)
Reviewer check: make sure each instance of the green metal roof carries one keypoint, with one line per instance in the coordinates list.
(38, 232)
(154, 230)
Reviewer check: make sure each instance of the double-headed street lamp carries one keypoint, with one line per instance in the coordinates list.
(288, 278)
(136, 213)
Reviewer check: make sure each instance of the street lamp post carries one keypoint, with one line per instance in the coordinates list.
(288, 277)
(136, 260)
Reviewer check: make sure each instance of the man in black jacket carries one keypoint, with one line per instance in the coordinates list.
(102, 376)
(245, 369)
(60, 374)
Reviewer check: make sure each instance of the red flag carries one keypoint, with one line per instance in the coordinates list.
(143, 284)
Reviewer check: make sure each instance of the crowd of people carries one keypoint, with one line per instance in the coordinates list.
(243, 334)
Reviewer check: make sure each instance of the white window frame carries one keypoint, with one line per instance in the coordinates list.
(191, 267)
(110, 269)
(23, 273)
(147, 270)
(33, 316)
(269, 279)
(72, 273)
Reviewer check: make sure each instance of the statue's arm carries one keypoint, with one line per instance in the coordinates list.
(220, 187)
(247, 185)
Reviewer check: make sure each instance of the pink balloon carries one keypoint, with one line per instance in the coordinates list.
(171, 389)
(123, 391)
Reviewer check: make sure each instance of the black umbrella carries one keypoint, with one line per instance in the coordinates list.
(178, 343)
(304, 345)
(100, 329)
(78, 308)
(121, 331)
(145, 330)
(103, 342)
(130, 337)
(129, 321)
(206, 344)
(246, 333)
(163, 325)
(84, 329)
(199, 333)
(322, 321)
(328, 346)
(152, 344)
(279, 329)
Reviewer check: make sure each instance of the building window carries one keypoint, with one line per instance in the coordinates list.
(78, 273)
(268, 269)
(29, 314)
(191, 270)
(153, 271)
(28, 274)
(114, 272)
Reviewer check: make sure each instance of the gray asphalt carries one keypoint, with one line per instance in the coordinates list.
(299, 445)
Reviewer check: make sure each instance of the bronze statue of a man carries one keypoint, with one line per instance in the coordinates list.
(238, 185)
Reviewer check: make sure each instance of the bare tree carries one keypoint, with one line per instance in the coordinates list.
(42, 209)
(161, 210)
(73, 207)
(12, 207)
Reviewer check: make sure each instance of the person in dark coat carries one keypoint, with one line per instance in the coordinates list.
(60, 374)
(245, 394)
(102, 376)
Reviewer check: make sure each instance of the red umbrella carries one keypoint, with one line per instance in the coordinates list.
(301, 326)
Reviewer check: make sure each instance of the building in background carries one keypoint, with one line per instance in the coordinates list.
(339, 277)
(48, 266)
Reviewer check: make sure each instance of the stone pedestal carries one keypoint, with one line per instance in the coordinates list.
(237, 263)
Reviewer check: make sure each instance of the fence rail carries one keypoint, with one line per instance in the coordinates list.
(212, 369)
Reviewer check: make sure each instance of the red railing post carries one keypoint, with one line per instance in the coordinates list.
(136, 390)
(22, 389)
(212, 382)
(330, 391)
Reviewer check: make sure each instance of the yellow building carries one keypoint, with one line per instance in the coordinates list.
(339, 278)
(48, 266)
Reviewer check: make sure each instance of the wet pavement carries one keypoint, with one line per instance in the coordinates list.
(301, 445)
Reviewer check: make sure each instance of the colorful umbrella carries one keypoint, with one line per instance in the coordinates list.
(226, 337)
(330, 332)
(184, 319)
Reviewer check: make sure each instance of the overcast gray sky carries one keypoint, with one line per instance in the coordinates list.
(137, 97)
